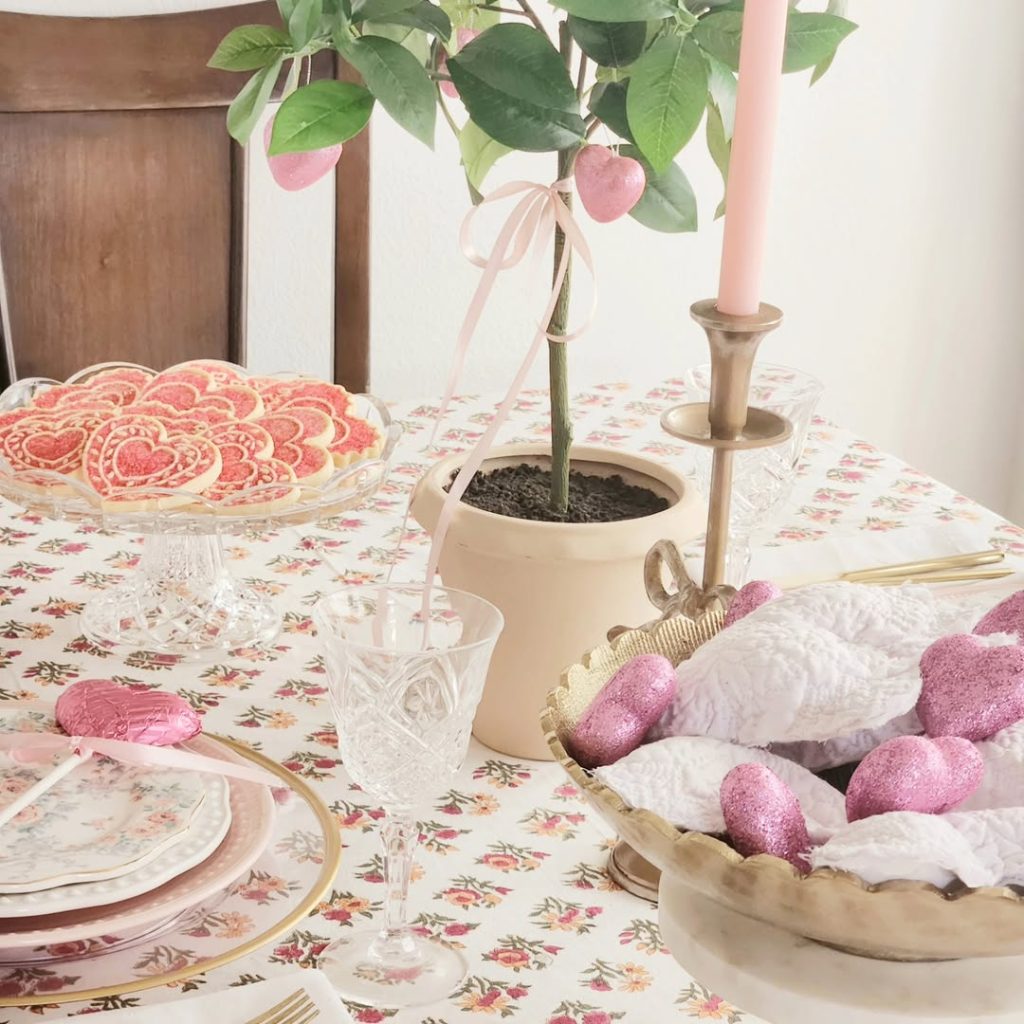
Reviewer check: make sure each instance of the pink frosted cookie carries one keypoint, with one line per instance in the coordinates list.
(179, 395)
(332, 399)
(120, 385)
(242, 402)
(65, 396)
(219, 372)
(130, 453)
(198, 379)
(311, 462)
(241, 474)
(317, 426)
(253, 439)
(355, 439)
(54, 442)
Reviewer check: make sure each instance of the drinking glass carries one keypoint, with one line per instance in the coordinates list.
(406, 666)
(763, 478)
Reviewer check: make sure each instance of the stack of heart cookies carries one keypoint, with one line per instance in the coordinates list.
(143, 440)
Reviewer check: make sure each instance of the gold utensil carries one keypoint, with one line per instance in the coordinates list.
(298, 1008)
(938, 577)
(925, 566)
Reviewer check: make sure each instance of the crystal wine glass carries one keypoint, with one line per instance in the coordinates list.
(762, 477)
(406, 666)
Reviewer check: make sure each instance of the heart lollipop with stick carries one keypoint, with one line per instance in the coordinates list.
(101, 709)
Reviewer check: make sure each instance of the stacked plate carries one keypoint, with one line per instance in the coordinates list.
(114, 852)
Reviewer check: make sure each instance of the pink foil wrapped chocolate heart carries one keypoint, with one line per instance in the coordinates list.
(749, 597)
(763, 815)
(970, 688)
(1006, 617)
(101, 708)
(914, 773)
(625, 709)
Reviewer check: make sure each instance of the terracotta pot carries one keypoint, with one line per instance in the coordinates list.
(561, 586)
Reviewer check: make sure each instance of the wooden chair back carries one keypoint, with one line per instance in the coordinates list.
(122, 207)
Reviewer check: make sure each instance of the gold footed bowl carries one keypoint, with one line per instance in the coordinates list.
(898, 920)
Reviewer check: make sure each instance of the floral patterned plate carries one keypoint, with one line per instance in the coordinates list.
(271, 898)
(114, 829)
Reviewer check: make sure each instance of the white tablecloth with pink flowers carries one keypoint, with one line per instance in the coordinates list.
(512, 864)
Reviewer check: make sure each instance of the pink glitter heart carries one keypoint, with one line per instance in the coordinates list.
(101, 708)
(749, 597)
(1006, 617)
(463, 36)
(914, 773)
(296, 171)
(762, 815)
(625, 709)
(970, 688)
(609, 185)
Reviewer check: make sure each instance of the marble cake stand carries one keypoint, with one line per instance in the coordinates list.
(785, 979)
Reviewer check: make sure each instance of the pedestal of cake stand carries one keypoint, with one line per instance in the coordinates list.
(181, 600)
(785, 979)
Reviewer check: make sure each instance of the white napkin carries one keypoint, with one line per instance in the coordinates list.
(236, 1005)
(680, 779)
(792, 565)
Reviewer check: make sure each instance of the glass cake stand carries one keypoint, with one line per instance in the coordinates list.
(182, 599)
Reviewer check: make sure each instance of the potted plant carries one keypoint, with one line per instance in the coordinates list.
(567, 565)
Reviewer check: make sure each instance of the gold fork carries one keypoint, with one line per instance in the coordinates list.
(298, 1008)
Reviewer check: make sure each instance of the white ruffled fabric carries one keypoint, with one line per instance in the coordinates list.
(823, 662)
(679, 778)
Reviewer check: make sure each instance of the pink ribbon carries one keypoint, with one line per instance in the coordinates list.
(28, 747)
(529, 225)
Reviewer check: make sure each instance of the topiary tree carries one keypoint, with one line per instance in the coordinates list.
(648, 70)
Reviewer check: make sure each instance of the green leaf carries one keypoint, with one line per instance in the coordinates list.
(668, 203)
(479, 153)
(249, 47)
(811, 37)
(720, 149)
(286, 9)
(610, 44)
(834, 7)
(412, 39)
(319, 115)
(377, 10)
(722, 90)
(620, 10)
(666, 98)
(608, 102)
(305, 21)
(425, 16)
(399, 82)
(247, 106)
(467, 14)
(516, 88)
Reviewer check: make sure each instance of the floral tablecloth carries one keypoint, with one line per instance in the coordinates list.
(512, 865)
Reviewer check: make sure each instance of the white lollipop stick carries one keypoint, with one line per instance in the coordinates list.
(33, 793)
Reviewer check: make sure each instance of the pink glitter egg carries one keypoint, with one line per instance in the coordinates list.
(102, 708)
(750, 597)
(914, 773)
(763, 815)
(296, 171)
(625, 709)
(970, 688)
(1006, 617)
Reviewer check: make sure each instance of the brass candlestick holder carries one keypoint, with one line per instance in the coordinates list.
(727, 425)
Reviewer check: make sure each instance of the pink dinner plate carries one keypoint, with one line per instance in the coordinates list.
(252, 822)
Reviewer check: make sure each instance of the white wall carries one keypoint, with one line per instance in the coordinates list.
(894, 250)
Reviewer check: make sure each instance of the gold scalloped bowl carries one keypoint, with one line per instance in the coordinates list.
(898, 920)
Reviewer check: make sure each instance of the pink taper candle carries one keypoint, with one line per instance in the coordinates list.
(746, 193)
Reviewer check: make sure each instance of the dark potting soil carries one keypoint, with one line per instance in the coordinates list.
(522, 492)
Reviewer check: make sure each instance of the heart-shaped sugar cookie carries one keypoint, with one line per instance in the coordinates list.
(970, 688)
(609, 186)
(914, 773)
(102, 708)
(311, 462)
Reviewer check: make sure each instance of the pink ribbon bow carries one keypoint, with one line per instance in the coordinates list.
(30, 747)
(529, 225)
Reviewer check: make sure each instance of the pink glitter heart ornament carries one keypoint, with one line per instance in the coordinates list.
(914, 773)
(296, 171)
(970, 688)
(763, 815)
(101, 708)
(462, 36)
(750, 597)
(609, 186)
(1006, 617)
(625, 709)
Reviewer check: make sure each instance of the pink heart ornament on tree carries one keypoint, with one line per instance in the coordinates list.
(763, 815)
(609, 186)
(462, 36)
(970, 688)
(914, 773)
(101, 708)
(296, 171)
